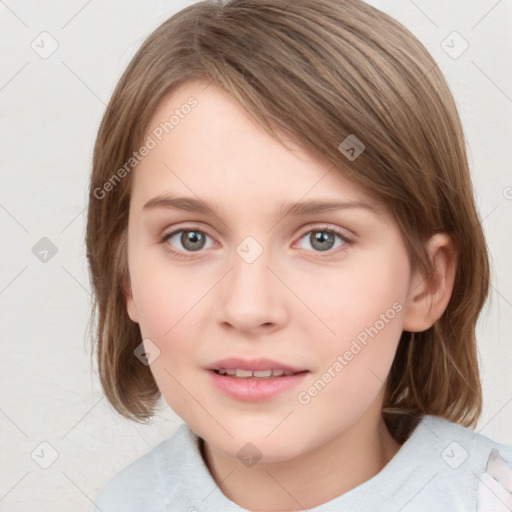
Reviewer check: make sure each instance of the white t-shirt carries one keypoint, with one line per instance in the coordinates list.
(441, 467)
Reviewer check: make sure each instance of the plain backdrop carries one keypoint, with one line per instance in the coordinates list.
(60, 441)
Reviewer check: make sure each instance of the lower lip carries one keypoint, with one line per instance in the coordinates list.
(255, 390)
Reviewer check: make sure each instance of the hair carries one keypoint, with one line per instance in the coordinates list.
(318, 70)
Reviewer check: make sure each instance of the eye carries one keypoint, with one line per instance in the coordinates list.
(191, 239)
(324, 239)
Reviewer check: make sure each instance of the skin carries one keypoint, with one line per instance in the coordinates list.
(294, 303)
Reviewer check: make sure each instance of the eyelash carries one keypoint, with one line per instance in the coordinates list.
(321, 229)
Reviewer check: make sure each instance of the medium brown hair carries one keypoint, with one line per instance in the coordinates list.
(318, 70)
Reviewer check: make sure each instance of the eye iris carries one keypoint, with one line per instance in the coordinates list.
(190, 239)
(322, 240)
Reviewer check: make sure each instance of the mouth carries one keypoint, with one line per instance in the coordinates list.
(256, 379)
(255, 385)
(267, 374)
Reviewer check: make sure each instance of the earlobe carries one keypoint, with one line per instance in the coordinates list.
(132, 312)
(130, 303)
(429, 297)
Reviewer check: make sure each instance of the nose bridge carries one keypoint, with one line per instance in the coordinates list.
(249, 292)
(250, 276)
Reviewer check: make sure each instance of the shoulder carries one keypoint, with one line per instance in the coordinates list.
(145, 484)
(471, 467)
(459, 444)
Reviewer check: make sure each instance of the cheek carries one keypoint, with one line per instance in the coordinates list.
(353, 365)
(166, 297)
(172, 303)
(343, 303)
(168, 302)
(356, 341)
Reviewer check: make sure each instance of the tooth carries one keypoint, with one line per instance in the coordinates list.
(243, 373)
(262, 373)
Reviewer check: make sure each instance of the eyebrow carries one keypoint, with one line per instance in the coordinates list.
(311, 207)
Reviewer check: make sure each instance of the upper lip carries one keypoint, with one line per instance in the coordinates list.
(233, 363)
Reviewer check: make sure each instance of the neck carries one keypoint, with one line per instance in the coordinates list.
(313, 478)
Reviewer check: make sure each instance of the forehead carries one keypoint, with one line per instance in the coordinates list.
(205, 145)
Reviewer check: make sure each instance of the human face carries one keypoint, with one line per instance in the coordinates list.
(291, 292)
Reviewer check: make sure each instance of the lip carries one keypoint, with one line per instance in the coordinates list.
(253, 390)
(232, 363)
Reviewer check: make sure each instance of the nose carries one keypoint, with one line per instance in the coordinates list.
(251, 298)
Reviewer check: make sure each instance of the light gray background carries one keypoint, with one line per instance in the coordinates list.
(50, 111)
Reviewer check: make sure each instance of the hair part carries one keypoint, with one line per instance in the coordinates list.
(318, 71)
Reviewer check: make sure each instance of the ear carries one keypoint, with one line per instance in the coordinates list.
(428, 298)
(130, 303)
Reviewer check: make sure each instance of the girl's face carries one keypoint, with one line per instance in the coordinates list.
(323, 290)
